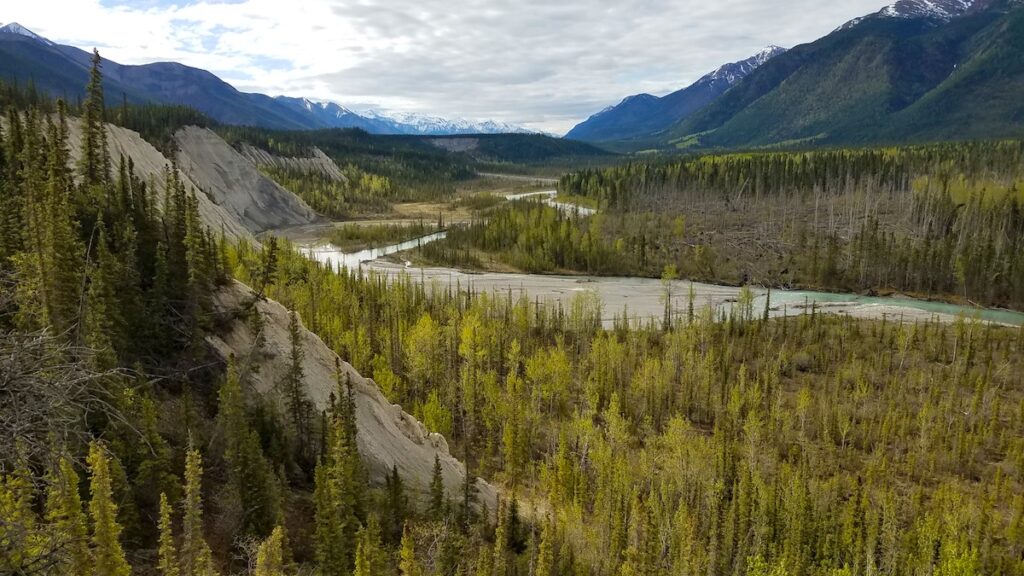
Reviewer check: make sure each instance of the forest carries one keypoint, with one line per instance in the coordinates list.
(816, 445)
(939, 222)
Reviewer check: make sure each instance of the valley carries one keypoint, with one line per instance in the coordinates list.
(771, 324)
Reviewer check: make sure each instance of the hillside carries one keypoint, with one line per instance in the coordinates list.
(888, 78)
(389, 438)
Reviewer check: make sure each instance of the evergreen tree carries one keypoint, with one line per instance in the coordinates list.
(196, 559)
(340, 486)
(331, 524)
(168, 553)
(10, 192)
(108, 556)
(370, 559)
(397, 505)
(68, 524)
(271, 556)
(250, 476)
(408, 565)
(94, 165)
(501, 536)
(293, 387)
(437, 501)
(546, 551)
(22, 543)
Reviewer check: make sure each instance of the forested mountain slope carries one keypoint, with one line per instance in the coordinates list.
(880, 79)
(644, 115)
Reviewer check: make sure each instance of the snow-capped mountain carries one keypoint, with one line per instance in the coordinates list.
(388, 122)
(938, 10)
(736, 71)
(409, 123)
(644, 114)
(15, 28)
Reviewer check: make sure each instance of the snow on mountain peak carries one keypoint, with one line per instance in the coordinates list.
(15, 28)
(434, 125)
(943, 10)
(938, 9)
(736, 71)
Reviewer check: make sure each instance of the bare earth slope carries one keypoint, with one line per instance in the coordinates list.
(233, 183)
(387, 435)
(320, 163)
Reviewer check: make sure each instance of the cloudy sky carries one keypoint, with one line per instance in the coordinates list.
(543, 64)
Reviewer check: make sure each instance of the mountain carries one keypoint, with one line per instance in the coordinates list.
(917, 70)
(421, 125)
(329, 114)
(644, 114)
(63, 71)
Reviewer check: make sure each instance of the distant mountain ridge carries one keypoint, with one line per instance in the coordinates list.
(63, 71)
(644, 114)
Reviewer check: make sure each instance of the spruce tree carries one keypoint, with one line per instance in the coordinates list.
(196, 559)
(546, 551)
(436, 508)
(271, 556)
(501, 537)
(108, 556)
(94, 165)
(331, 524)
(21, 541)
(167, 563)
(408, 564)
(251, 479)
(397, 505)
(294, 391)
(63, 249)
(68, 523)
(340, 485)
(370, 557)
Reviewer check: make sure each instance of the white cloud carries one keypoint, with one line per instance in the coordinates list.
(541, 63)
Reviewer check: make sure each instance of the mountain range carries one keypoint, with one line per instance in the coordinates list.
(63, 71)
(644, 114)
(917, 70)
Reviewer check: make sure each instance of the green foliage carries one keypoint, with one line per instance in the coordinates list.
(168, 552)
(340, 495)
(816, 443)
(158, 123)
(410, 168)
(882, 80)
(355, 237)
(108, 556)
(532, 237)
(939, 221)
(253, 485)
(360, 193)
(196, 557)
(271, 557)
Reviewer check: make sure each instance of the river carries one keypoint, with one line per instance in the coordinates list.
(328, 253)
(551, 200)
(643, 298)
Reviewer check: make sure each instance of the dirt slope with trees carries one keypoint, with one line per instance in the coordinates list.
(388, 436)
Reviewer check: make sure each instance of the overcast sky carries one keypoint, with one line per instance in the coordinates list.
(543, 64)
